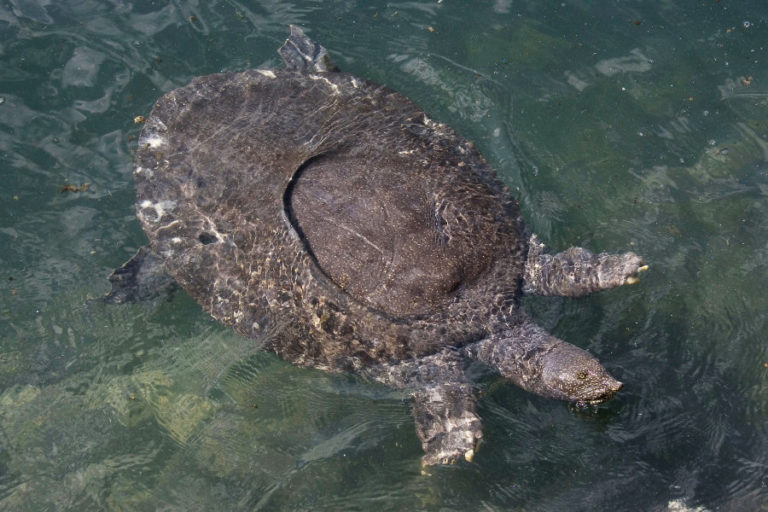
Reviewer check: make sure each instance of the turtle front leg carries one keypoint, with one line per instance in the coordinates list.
(444, 404)
(577, 271)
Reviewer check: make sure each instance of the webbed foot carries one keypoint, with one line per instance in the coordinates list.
(577, 271)
(141, 278)
(444, 404)
(446, 423)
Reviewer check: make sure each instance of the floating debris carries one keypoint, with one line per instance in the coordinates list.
(74, 188)
(139, 119)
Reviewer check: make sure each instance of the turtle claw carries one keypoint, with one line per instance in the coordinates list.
(633, 279)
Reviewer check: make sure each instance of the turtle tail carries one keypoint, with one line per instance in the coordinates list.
(300, 53)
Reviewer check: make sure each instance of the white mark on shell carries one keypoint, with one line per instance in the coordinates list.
(439, 128)
(330, 84)
(154, 141)
(159, 209)
(170, 225)
(153, 134)
(143, 171)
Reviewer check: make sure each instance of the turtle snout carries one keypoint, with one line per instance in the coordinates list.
(615, 386)
(611, 387)
(600, 390)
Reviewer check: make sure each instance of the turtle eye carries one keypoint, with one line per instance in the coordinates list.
(582, 375)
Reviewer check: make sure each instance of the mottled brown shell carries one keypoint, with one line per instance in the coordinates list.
(328, 215)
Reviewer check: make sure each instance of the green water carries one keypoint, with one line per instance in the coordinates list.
(618, 124)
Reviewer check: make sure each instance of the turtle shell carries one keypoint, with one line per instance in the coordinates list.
(328, 216)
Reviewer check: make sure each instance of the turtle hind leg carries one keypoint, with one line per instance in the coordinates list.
(447, 423)
(444, 404)
(577, 271)
(141, 278)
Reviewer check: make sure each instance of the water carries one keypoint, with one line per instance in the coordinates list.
(619, 125)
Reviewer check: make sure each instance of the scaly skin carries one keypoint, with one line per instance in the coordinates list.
(576, 271)
(444, 405)
(540, 363)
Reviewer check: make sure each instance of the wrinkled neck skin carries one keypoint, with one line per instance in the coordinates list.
(540, 363)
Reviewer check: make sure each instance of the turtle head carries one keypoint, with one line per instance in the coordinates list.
(570, 373)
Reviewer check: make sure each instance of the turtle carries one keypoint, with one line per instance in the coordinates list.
(331, 219)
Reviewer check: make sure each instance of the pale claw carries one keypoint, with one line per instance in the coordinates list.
(635, 279)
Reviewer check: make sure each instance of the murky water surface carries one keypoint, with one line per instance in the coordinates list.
(618, 124)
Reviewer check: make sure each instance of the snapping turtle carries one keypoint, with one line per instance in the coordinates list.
(330, 217)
